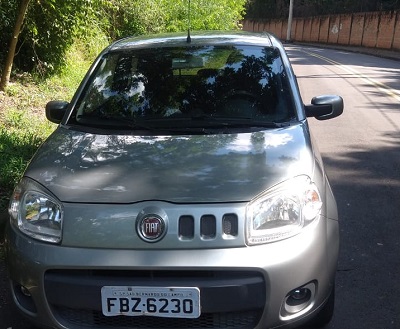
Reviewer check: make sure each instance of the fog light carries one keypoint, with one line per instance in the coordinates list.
(298, 297)
(298, 301)
(25, 291)
(24, 298)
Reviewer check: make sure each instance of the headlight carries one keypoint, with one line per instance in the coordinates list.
(36, 212)
(283, 211)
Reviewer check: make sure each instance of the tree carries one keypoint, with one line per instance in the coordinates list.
(49, 28)
(52, 26)
(5, 77)
(136, 17)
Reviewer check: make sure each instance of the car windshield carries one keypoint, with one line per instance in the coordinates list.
(186, 87)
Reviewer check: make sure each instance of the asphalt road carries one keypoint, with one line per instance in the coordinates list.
(361, 150)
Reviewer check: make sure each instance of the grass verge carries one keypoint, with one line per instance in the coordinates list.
(21, 133)
(23, 126)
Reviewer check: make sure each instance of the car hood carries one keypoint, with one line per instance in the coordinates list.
(91, 168)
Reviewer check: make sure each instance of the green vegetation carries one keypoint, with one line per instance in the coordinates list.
(23, 126)
(51, 26)
(20, 135)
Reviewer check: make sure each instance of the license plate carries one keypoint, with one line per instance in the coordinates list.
(168, 302)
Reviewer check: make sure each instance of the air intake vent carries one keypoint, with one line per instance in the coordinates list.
(186, 227)
(208, 227)
(230, 225)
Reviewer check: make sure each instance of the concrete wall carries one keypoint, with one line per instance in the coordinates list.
(374, 30)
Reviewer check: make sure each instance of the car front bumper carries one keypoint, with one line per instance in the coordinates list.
(245, 287)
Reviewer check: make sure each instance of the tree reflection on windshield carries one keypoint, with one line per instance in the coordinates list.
(171, 84)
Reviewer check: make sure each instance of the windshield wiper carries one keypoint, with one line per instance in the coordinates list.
(239, 122)
(196, 124)
(113, 121)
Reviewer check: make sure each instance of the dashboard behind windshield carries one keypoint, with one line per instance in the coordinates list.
(186, 86)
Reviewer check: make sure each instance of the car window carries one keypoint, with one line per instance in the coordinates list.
(186, 87)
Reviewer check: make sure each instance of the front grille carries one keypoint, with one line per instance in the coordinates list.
(229, 299)
(234, 320)
(186, 226)
(208, 226)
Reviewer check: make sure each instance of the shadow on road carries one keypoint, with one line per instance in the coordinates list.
(367, 189)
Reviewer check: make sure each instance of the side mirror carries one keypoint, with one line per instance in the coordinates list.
(325, 107)
(55, 111)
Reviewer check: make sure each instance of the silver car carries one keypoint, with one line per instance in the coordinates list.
(181, 189)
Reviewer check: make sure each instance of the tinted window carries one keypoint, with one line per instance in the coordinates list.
(173, 86)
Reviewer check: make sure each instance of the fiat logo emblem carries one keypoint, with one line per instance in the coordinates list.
(151, 228)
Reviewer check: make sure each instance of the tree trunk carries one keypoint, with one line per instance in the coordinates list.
(5, 77)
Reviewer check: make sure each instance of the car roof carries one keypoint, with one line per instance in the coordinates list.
(197, 38)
